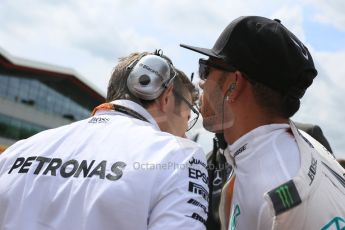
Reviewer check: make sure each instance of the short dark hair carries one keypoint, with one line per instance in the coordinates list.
(117, 87)
(273, 102)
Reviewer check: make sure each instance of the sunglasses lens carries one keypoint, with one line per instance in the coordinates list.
(203, 71)
(204, 68)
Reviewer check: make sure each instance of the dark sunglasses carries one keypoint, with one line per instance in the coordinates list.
(194, 108)
(204, 68)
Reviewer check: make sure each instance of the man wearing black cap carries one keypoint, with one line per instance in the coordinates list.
(252, 83)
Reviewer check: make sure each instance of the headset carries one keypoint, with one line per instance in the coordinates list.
(231, 88)
(150, 75)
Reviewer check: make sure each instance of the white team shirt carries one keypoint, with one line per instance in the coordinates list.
(110, 171)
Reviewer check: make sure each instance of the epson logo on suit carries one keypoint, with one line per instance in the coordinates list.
(196, 174)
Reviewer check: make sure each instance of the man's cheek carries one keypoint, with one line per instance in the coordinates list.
(206, 108)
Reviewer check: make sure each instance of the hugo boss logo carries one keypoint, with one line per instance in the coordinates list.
(240, 150)
(312, 170)
(69, 168)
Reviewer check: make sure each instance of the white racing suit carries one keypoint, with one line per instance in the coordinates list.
(315, 198)
(283, 180)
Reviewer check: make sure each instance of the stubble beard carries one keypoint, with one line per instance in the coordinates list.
(212, 118)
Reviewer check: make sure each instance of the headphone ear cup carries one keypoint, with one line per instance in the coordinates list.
(148, 77)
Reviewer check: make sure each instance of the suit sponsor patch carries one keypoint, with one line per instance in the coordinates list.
(240, 150)
(69, 168)
(197, 162)
(198, 204)
(198, 189)
(312, 170)
(97, 120)
(196, 174)
(284, 197)
(197, 217)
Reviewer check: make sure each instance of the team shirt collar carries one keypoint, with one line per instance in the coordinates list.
(133, 106)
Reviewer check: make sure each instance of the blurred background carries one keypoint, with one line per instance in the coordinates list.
(56, 56)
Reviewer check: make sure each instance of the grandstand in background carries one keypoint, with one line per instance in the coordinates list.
(36, 96)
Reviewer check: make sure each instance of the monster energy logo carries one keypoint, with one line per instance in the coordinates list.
(285, 196)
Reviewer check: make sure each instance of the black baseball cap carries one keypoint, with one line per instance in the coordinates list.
(267, 52)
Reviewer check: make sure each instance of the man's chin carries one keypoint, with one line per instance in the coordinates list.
(212, 127)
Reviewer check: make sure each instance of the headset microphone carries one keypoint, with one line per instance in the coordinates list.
(232, 87)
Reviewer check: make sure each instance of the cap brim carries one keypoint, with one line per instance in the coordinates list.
(205, 51)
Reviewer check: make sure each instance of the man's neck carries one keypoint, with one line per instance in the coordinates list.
(245, 124)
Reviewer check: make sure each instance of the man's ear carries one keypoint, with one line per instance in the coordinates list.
(235, 88)
(165, 98)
